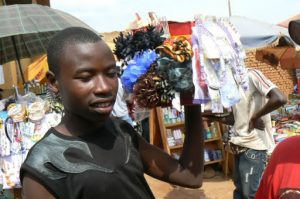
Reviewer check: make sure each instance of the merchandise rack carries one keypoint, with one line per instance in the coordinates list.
(158, 137)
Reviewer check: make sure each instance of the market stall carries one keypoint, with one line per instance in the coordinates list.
(205, 58)
(182, 63)
(168, 64)
(24, 120)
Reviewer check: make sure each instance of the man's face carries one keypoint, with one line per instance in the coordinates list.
(87, 81)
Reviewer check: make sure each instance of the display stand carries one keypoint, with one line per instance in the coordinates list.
(159, 132)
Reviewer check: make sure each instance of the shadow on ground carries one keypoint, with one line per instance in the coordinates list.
(179, 193)
(217, 187)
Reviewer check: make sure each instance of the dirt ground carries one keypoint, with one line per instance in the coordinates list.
(217, 187)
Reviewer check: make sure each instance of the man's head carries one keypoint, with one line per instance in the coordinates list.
(84, 73)
(68, 36)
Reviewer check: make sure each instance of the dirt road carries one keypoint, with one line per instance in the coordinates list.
(213, 188)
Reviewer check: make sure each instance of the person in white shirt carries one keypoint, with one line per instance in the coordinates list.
(251, 139)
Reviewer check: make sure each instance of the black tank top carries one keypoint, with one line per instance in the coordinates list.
(103, 165)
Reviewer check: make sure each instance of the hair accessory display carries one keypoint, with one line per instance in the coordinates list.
(179, 49)
(204, 57)
(128, 45)
(178, 75)
(136, 67)
(151, 90)
(175, 63)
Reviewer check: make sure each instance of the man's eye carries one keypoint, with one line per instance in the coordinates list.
(84, 78)
(112, 73)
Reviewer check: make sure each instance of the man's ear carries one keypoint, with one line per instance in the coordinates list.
(52, 82)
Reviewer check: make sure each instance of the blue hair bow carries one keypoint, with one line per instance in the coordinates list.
(136, 67)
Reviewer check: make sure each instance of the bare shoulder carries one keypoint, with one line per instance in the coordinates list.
(32, 189)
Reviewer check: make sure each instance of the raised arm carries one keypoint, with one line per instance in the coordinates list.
(188, 170)
(193, 147)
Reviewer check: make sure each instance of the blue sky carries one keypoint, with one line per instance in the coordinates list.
(112, 15)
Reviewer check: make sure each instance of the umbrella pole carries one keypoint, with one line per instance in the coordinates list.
(18, 59)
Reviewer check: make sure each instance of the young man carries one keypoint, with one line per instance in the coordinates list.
(251, 137)
(88, 155)
(281, 177)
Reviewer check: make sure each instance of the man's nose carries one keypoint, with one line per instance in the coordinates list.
(102, 85)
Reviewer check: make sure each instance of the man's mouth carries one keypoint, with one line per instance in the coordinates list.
(101, 105)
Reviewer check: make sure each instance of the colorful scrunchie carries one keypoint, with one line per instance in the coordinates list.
(179, 75)
(136, 67)
(180, 50)
(152, 90)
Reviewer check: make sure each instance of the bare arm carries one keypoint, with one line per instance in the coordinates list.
(276, 100)
(32, 189)
(188, 170)
(193, 147)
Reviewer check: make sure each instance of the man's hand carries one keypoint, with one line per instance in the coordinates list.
(256, 123)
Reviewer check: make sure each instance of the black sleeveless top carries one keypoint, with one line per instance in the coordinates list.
(103, 165)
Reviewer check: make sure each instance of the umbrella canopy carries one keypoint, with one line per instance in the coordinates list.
(273, 43)
(26, 30)
(257, 34)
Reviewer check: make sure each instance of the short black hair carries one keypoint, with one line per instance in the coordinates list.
(72, 35)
